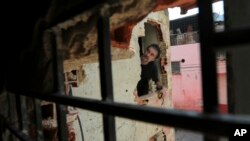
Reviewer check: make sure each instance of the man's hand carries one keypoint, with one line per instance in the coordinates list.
(159, 86)
(162, 91)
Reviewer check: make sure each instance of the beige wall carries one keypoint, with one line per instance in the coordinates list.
(126, 74)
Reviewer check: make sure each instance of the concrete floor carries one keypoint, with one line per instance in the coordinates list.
(184, 135)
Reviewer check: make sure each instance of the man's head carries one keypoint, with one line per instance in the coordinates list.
(151, 54)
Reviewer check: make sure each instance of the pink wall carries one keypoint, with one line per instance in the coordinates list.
(187, 89)
(222, 85)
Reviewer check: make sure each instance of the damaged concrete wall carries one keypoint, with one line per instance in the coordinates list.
(146, 131)
(126, 74)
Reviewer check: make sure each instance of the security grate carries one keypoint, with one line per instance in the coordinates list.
(207, 122)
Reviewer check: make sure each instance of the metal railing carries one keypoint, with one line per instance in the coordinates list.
(184, 38)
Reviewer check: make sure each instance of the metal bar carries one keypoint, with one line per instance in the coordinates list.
(206, 123)
(1, 134)
(61, 123)
(38, 120)
(106, 74)
(105, 58)
(230, 38)
(19, 112)
(56, 40)
(59, 86)
(208, 60)
(208, 57)
(109, 127)
(231, 95)
(19, 134)
(12, 112)
(225, 7)
(2, 126)
(22, 113)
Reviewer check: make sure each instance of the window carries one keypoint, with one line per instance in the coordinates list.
(221, 55)
(176, 69)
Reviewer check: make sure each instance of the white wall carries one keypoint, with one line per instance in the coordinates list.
(126, 74)
(125, 77)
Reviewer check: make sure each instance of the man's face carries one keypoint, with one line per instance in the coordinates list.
(149, 55)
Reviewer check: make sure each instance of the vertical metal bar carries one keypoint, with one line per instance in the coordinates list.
(106, 74)
(230, 88)
(1, 134)
(38, 120)
(2, 126)
(25, 116)
(230, 83)
(208, 60)
(12, 113)
(61, 123)
(18, 109)
(22, 113)
(225, 6)
(59, 86)
(19, 134)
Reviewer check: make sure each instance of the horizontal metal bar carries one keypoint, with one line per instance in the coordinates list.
(19, 134)
(230, 38)
(207, 123)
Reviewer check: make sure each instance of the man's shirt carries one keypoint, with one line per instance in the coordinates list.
(148, 72)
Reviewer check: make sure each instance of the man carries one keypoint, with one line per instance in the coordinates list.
(149, 72)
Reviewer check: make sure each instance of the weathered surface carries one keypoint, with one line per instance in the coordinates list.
(80, 34)
(77, 40)
(126, 74)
